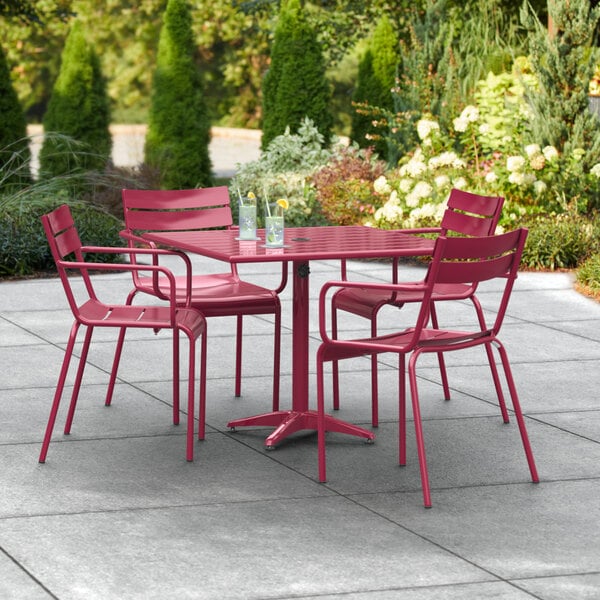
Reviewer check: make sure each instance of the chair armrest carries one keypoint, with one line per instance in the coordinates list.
(389, 287)
(155, 268)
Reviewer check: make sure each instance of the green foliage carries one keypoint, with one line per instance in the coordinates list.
(564, 64)
(560, 241)
(14, 153)
(426, 79)
(23, 246)
(376, 78)
(295, 86)
(283, 171)
(588, 275)
(179, 128)
(79, 109)
(345, 186)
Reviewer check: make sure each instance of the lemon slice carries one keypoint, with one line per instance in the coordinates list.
(283, 203)
(251, 196)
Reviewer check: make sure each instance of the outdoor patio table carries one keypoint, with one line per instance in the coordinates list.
(301, 245)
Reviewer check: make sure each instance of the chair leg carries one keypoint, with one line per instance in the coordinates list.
(176, 385)
(115, 367)
(491, 361)
(401, 410)
(202, 392)
(238, 357)
(80, 369)
(277, 360)
(419, 430)
(335, 375)
(58, 393)
(518, 413)
(189, 453)
(321, 420)
(441, 361)
(374, 377)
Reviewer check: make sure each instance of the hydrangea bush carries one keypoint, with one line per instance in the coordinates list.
(532, 179)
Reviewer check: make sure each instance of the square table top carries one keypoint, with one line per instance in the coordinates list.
(300, 243)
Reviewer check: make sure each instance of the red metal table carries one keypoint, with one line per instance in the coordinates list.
(302, 245)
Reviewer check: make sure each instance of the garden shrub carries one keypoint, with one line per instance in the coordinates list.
(14, 145)
(79, 110)
(283, 171)
(376, 78)
(295, 86)
(588, 276)
(345, 186)
(560, 241)
(179, 127)
(24, 249)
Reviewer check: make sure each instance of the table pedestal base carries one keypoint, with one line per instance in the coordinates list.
(287, 422)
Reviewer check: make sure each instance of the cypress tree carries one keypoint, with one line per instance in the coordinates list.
(79, 109)
(295, 85)
(14, 145)
(179, 128)
(376, 78)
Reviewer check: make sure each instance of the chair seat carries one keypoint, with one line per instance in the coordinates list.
(363, 302)
(220, 294)
(98, 314)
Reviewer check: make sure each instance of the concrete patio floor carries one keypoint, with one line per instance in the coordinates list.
(117, 513)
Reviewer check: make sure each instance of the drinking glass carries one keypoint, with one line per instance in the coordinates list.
(247, 218)
(274, 227)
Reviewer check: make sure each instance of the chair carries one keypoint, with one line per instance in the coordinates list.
(91, 312)
(214, 294)
(467, 214)
(456, 261)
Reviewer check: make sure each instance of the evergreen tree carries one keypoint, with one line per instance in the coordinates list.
(179, 127)
(14, 145)
(376, 78)
(564, 64)
(295, 86)
(78, 110)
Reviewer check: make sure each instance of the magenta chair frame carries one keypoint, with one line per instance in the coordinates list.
(467, 214)
(456, 261)
(214, 294)
(89, 311)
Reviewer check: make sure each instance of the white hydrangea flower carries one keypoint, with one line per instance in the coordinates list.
(517, 178)
(484, 128)
(470, 113)
(412, 200)
(539, 187)
(595, 170)
(491, 177)
(550, 152)
(422, 189)
(532, 150)
(425, 127)
(414, 167)
(405, 185)
(381, 186)
(460, 124)
(460, 183)
(515, 163)
(442, 181)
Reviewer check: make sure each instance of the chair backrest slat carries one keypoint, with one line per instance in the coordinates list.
(172, 210)
(472, 214)
(63, 240)
(473, 260)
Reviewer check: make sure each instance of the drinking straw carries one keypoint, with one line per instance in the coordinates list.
(240, 195)
(267, 201)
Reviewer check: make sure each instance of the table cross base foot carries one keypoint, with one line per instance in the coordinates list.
(287, 422)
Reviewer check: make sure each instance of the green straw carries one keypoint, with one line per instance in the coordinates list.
(267, 202)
